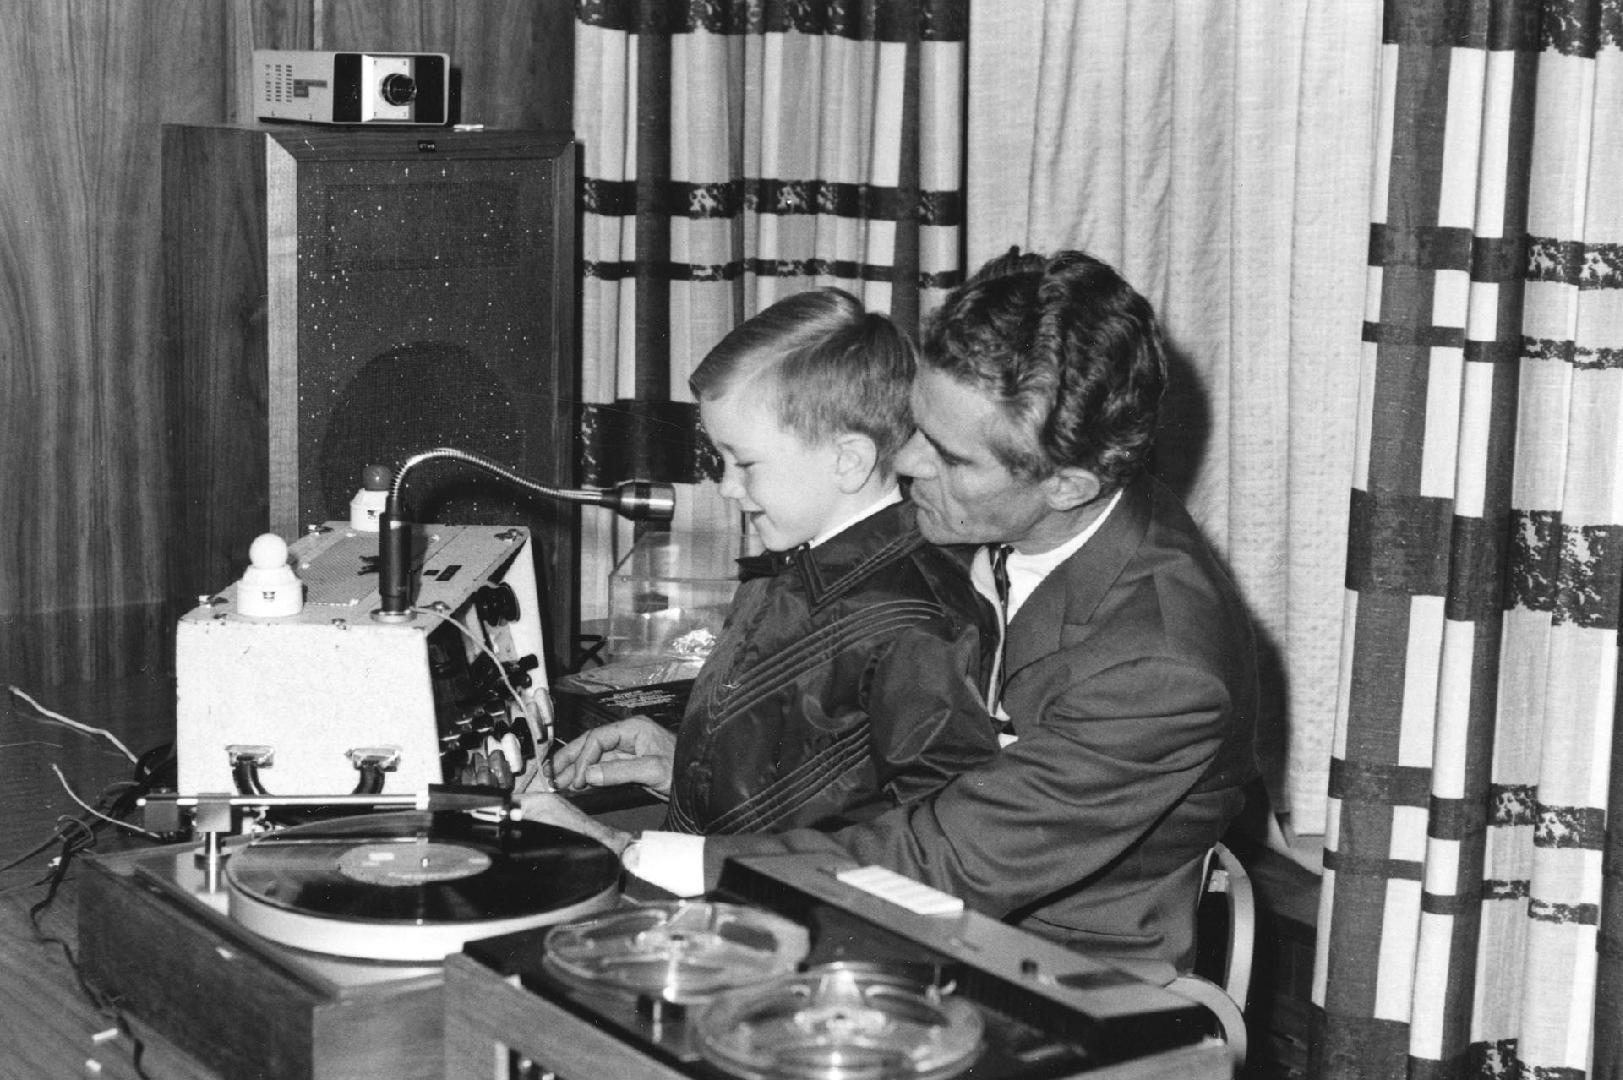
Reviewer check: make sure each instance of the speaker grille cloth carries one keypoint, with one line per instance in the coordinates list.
(414, 398)
(424, 312)
(421, 226)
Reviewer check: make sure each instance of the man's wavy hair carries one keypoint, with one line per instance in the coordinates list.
(829, 365)
(1069, 351)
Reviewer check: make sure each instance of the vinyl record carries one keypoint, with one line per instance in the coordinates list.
(414, 885)
(683, 951)
(841, 1021)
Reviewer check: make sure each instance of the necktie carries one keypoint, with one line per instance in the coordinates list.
(1000, 581)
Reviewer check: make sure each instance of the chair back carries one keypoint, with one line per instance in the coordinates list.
(1221, 980)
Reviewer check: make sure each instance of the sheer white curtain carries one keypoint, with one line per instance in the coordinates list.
(1219, 155)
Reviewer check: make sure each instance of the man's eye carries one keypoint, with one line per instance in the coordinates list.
(943, 456)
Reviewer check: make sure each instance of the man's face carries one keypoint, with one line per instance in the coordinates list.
(784, 485)
(964, 494)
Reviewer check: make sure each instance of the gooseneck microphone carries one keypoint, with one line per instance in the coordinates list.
(638, 500)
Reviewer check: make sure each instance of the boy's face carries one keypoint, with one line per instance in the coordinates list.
(784, 485)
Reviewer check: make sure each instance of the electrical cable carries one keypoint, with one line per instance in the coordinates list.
(74, 724)
(136, 829)
(245, 774)
(103, 1003)
(77, 836)
(524, 707)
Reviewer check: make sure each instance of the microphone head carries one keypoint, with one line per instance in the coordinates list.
(644, 500)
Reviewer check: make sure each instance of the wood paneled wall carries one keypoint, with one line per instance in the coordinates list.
(87, 499)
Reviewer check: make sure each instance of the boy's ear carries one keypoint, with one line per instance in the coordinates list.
(855, 456)
(1071, 487)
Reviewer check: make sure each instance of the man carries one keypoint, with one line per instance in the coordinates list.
(1128, 676)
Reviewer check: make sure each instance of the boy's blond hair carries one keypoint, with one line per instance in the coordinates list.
(832, 366)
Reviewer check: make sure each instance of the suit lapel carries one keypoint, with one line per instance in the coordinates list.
(1070, 594)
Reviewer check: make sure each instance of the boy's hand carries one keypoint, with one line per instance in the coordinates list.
(550, 809)
(635, 750)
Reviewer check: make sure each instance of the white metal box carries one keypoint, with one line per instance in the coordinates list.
(312, 688)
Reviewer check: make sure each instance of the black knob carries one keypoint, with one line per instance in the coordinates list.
(496, 604)
(399, 89)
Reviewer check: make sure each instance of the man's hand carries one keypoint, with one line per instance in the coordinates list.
(635, 750)
(550, 809)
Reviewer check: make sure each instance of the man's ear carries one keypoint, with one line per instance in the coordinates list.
(1070, 488)
(855, 456)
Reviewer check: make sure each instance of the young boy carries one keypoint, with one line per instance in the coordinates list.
(850, 677)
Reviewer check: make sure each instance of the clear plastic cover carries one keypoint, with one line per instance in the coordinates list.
(841, 1021)
(680, 951)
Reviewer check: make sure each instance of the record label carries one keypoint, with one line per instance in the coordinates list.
(412, 863)
(414, 885)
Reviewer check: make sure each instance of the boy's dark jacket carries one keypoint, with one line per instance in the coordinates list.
(845, 683)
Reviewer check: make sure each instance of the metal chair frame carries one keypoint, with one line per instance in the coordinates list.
(1226, 993)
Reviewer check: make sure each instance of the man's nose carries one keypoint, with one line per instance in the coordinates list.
(914, 458)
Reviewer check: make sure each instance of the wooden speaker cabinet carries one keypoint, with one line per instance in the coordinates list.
(338, 298)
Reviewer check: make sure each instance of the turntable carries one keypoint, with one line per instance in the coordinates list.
(319, 955)
(806, 967)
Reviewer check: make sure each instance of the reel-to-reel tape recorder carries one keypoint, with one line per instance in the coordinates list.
(799, 969)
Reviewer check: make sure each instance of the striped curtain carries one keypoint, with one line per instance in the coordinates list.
(1465, 890)
(734, 152)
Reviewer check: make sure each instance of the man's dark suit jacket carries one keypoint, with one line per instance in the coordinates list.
(1132, 688)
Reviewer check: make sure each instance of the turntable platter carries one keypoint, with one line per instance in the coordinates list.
(413, 885)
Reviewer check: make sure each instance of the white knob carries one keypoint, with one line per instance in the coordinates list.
(269, 588)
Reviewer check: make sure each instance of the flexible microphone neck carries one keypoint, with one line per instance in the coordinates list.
(637, 500)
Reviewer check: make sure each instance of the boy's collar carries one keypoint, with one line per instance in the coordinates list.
(889, 498)
(836, 555)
